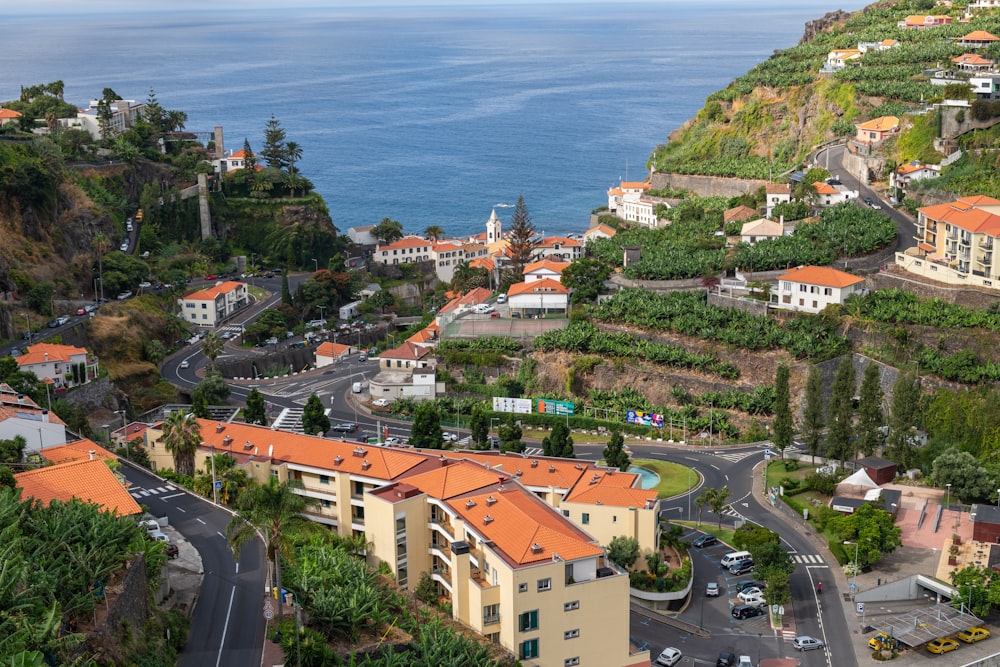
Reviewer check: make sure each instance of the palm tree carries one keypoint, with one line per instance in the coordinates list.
(181, 437)
(434, 233)
(268, 510)
(293, 153)
(212, 347)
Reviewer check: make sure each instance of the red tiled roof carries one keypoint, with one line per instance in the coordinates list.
(407, 351)
(880, 124)
(980, 36)
(965, 213)
(483, 263)
(39, 353)
(78, 450)
(821, 275)
(561, 240)
(89, 481)
(210, 293)
(546, 263)
(609, 487)
(825, 188)
(544, 286)
(607, 229)
(7, 114)
(331, 349)
(778, 189)
(405, 242)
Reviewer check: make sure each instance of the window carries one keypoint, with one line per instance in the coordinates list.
(528, 621)
(326, 503)
(827, 291)
(571, 634)
(359, 488)
(803, 288)
(570, 662)
(529, 649)
(323, 479)
(545, 584)
(586, 518)
(614, 518)
(493, 637)
(565, 513)
(491, 614)
(571, 606)
(522, 588)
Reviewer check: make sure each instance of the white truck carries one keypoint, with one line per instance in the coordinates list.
(349, 311)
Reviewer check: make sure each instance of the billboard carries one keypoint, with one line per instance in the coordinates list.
(518, 405)
(644, 418)
(551, 407)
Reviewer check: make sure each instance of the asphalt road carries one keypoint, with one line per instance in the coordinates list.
(227, 629)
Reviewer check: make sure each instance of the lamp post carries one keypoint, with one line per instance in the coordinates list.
(947, 497)
(128, 453)
(215, 489)
(854, 586)
(315, 265)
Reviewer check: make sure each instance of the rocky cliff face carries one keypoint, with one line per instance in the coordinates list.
(826, 22)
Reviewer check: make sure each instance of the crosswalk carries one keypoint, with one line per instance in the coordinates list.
(807, 559)
(736, 457)
(533, 451)
(138, 494)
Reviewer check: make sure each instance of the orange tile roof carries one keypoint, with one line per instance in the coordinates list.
(778, 189)
(452, 479)
(12, 411)
(78, 450)
(209, 294)
(880, 124)
(980, 36)
(821, 275)
(407, 351)
(546, 263)
(241, 153)
(445, 246)
(740, 213)
(425, 335)
(134, 430)
(536, 471)
(965, 213)
(523, 529)
(607, 229)
(331, 349)
(384, 463)
(7, 114)
(609, 487)
(616, 192)
(562, 240)
(635, 185)
(843, 53)
(470, 298)
(406, 242)
(825, 188)
(971, 59)
(926, 247)
(544, 286)
(888, 42)
(483, 263)
(909, 168)
(89, 481)
(40, 353)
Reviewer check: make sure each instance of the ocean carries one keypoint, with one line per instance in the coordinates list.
(430, 115)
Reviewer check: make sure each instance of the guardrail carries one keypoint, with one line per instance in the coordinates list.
(923, 515)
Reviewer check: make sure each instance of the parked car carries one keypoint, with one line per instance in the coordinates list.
(211, 276)
(124, 246)
(449, 437)
(393, 440)
(345, 427)
(706, 540)
(871, 202)
(668, 657)
(145, 284)
(973, 635)
(158, 536)
(380, 402)
(271, 341)
(942, 645)
(726, 659)
(15, 352)
(81, 311)
(91, 308)
(128, 225)
(363, 357)
(712, 589)
(515, 315)
(741, 567)
(150, 525)
(124, 295)
(173, 551)
(744, 661)
(501, 298)
(743, 611)
(749, 583)
(749, 593)
(315, 324)
(807, 643)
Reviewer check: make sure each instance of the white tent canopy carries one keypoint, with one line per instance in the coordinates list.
(859, 478)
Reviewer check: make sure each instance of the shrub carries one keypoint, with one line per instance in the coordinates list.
(821, 483)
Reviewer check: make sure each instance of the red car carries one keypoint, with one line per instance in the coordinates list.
(81, 311)
(211, 276)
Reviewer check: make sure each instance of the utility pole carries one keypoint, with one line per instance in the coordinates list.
(215, 489)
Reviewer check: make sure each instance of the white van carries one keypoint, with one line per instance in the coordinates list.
(357, 387)
(732, 558)
(501, 298)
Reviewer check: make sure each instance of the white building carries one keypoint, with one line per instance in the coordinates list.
(406, 371)
(761, 230)
(124, 114)
(446, 256)
(362, 235)
(831, 195)
(544, 269)
(65, 365)
(558, 247)
(328, 352)
(776, 193)
(912, 171)
(210, 307)
(407, 250)
(810, 289)
(601, 231)
(986, 86)
(21, 416)
(538, 297)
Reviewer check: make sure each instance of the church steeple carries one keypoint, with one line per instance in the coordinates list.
(494, 228)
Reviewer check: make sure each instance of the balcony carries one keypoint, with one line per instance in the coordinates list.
(985, 259)
(986, 243)
(444, 526)
(479, 579)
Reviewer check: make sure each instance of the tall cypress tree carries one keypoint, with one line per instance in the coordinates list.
(255, 412)
(870, 417)
(841, 412)
(812, 414)
(782, 410)
(903, 419)
(314, 419)
(521, 238)
(426, 432)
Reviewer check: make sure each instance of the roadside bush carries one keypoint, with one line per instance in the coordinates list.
(821, 483)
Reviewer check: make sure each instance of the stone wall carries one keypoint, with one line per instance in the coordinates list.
(91, 396)
(751, 306)
(658, 285)
(951, 127)
(972, 298)
(706, 186)
(126, 616)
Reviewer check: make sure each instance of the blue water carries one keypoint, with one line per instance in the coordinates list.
(428, 115)
(647, 478)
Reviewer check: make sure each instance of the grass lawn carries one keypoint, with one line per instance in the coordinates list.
(257, 292)
(674, 478)
(724, 534)
(777, 474)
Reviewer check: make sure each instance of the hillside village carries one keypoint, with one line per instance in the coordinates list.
(675, 312)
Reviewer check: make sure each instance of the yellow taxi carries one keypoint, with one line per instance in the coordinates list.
(138, 214)
(942, 645)
(973, 635)
(881, 641)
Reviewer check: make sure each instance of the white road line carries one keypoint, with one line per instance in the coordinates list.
(220, 534)
(225, 627)
(727, 478)
(714, 466)
(200, 521)
(181, 509)
(172, 495)
(691, 458)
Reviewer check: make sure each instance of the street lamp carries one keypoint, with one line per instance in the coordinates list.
(315, 265)
(947, 498)
(854, 586)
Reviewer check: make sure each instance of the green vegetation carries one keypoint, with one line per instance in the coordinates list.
(688, 313)
(674, 477)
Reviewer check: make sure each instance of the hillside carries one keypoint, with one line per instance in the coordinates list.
(767, 121)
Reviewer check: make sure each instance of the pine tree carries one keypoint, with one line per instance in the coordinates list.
(840, 416)
(510, 436)
(521, 238)
(903, 419)
(559, 442)
(479, 425)
(274, 151)
(255, 412)
(249, 164)
(870, 416)
(426, 432)
(782, 410)
(812, 413)
(615, 455)
(314, 419)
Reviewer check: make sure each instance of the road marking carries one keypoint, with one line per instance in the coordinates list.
(172, 495)
(181, 509)
(200, 521)
(714, 466)
(727, 478)
(808, 559)
(691, 458)
(220, 534)
(225, 627)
